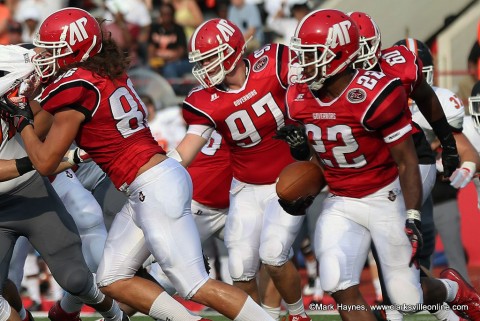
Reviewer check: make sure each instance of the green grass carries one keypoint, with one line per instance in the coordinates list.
(323, 317)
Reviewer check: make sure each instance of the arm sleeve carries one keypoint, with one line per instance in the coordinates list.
(386, 114)
(78, 94)
(194, 116)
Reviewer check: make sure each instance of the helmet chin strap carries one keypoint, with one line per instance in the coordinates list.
(87, 53)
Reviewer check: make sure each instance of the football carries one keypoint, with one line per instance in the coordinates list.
(300, 179)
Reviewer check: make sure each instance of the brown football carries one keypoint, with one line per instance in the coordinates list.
(300, 179)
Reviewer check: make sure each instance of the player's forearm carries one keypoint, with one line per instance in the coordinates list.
(13, 168)
(8, 170)
(466, 150)
(410, 182)
(42, 122)
(428, 103)
(44, 161)
(409, 173)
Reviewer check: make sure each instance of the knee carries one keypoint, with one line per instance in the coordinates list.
(330, 273)
(272, 252)
(239, 266)
(404, 293)
(75, 281)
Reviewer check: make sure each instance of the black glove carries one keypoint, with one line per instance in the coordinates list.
(450, 158)
(18, 109)
(297, 139)
(297, 207)
(413, 228)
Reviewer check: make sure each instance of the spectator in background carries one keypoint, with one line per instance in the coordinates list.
(284, 23)
(118, 28)
(14, 32)
(468, 81)
(30, 19)
(221, 9)
(4, 20)
(166, 122)
(187, 14)
(44, 8)
(138, 20)
(167, 49)
(247, 17)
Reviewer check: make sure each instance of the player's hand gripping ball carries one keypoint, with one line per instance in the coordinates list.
(297, 186)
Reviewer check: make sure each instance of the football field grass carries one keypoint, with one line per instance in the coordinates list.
(320, 317)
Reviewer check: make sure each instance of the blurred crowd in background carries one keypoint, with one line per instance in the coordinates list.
(155, 33)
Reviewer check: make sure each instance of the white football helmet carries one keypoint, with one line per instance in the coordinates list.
(474, 105)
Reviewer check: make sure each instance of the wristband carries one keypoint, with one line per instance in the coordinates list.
(414, 214)
(470, 166)
(24, 165)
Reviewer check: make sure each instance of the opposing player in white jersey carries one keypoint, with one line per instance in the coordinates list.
(243, 99)
(30, 206)
(446, 215)
(454, 112)
(471, 128)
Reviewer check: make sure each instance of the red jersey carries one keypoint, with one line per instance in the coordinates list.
(400, 62)
(115, 132)
(248, 118)
(211, 173)
(352, 133)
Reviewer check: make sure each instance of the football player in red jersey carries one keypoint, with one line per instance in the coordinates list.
(243, 99)
(31, 208)
(397, 61)
(211, 174)
(94, 103)
(356, 122)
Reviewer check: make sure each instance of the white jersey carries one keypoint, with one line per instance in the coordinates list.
(452, 107)
(15, 65)
(11, 148)
(471, 132)
(473, 136)
(168, 127)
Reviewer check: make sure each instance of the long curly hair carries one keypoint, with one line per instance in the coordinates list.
(110, 62)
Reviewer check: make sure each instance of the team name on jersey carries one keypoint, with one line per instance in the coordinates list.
(245, 98)
(324, 115)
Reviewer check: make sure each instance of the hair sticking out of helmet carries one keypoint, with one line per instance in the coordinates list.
(370, 40)
(422, 51)
(474, 105)
(326, 43)
(69, 35)
(216, 46)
